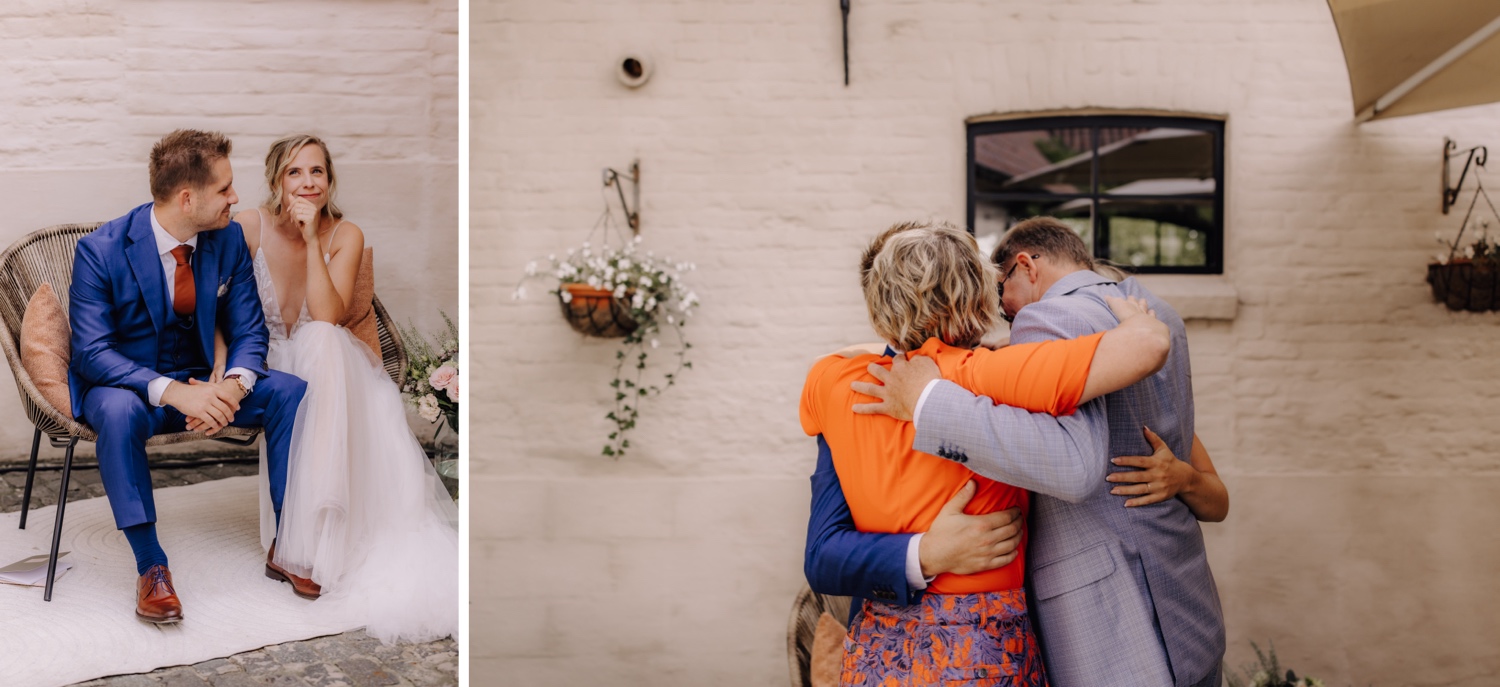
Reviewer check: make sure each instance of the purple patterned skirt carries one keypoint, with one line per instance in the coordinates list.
(947, 640)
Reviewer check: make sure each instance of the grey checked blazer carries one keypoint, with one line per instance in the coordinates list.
(1121, 596)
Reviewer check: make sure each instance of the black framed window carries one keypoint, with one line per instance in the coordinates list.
(1142, 191)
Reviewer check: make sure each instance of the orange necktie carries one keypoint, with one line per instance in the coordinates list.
(183, 297)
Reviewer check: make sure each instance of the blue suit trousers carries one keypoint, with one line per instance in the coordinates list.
(125, 421)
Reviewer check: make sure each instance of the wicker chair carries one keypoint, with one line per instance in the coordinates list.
(46, 256)
(806, 610)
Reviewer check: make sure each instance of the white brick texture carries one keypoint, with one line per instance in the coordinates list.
(1351, 416)
(90, 86)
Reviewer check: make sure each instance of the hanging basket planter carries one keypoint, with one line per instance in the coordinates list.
(1466, 284)
(596, 312)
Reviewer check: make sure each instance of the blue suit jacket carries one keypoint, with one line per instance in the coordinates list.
(118, 304)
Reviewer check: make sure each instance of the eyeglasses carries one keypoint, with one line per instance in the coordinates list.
(1001, 288)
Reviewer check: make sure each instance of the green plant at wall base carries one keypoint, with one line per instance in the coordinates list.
(649, 292)
(1267, 672)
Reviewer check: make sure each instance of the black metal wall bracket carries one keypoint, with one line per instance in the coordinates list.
(844, 9)
(632, 209)
(1478, 155)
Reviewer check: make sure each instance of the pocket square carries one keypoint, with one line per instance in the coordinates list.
(223, 289)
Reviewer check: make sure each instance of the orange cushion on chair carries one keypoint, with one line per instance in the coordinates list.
(45, 348)
(827, 652)
(359, 319)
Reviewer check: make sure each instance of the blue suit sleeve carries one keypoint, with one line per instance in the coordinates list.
(92, 318)
(842, 561)
(240, 315)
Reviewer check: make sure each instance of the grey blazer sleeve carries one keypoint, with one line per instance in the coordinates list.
(1065, 457)
(1057, 456)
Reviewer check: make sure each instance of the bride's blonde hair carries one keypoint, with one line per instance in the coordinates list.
(280, 157)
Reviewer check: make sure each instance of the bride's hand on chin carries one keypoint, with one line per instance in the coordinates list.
(303, 215)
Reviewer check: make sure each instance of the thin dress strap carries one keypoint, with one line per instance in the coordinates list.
(264, 222)
(332, 234)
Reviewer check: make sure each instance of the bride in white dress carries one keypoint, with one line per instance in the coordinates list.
(365, 515)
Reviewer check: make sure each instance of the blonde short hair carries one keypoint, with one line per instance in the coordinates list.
(280, 157)
(924, 280)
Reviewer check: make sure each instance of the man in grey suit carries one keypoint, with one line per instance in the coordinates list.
(1121, 596)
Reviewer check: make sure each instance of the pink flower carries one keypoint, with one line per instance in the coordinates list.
(452, 389)
(442, 377)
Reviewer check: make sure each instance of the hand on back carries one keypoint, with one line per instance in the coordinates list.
(965, 544)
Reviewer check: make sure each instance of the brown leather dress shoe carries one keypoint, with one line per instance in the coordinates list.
(155, 599)
(301, 586)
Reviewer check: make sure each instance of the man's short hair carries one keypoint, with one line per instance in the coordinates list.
(1044, 235)
(923, 280)
(185, 157)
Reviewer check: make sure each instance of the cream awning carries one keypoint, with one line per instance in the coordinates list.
(1411, 56)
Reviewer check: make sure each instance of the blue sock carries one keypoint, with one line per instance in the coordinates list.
(147, 550)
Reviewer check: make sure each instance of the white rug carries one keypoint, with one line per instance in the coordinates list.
(210, 532)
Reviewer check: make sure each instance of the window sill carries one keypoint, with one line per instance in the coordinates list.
(1195, 296)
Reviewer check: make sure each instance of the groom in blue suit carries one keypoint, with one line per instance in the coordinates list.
(148, 291)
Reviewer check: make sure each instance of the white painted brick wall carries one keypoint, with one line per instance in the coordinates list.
(89, 87)
(1353, 418)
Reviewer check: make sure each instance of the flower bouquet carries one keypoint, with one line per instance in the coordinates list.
(432, 382)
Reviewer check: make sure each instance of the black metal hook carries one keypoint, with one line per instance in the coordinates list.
(1478, 155)
(844, 8)
(613, 178)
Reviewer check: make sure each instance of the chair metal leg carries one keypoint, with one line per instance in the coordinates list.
(62, 501)
(36, 442)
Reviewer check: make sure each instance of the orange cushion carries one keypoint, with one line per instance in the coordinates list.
(827, 652)
(45, 348)
(359, 319)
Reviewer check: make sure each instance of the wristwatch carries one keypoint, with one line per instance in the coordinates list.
(244, 391)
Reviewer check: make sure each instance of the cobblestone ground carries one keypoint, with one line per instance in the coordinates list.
(352, 659)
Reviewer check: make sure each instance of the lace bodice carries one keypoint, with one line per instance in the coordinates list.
(267, 288)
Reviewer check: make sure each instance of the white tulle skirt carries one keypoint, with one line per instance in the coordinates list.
(365, 516)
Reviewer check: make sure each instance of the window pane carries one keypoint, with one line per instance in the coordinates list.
(1040, 161)
(1158, 162)
(1158, 233)
(991, 220)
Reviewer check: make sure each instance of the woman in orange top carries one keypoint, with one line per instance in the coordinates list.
(931, 292)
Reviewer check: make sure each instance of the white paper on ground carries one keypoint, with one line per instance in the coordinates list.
(32, 571)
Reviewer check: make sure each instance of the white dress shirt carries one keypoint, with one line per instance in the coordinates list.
(165, 243)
